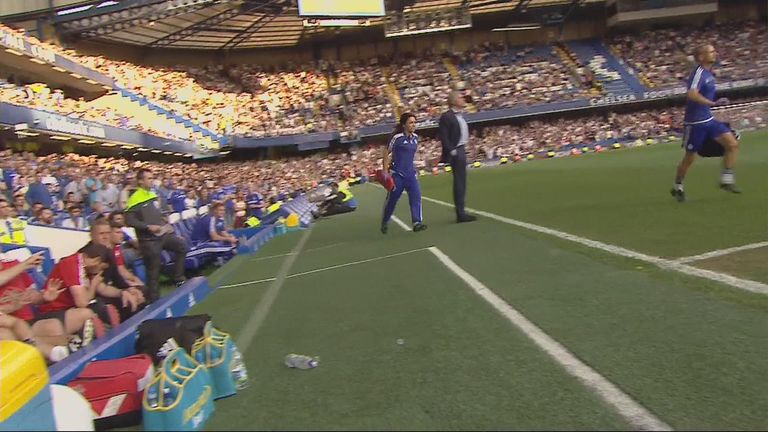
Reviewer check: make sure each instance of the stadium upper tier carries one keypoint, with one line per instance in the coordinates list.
(255, 101)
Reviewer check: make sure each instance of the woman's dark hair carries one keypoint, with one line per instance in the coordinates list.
(400, 128)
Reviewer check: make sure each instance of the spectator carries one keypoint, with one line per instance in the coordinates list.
(17, 319)
(211, 227)
(44, 217)
(76, 219)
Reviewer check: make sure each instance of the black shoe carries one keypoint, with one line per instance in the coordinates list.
(419, 227)
(730, 188)
(466, 218)
(384, 228)
(678, 194)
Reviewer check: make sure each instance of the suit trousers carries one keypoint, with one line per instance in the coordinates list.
(459, 170)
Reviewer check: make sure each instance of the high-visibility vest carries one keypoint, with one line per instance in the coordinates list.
(252, 221)
(274, 207)
(12, 231)
(347, 195)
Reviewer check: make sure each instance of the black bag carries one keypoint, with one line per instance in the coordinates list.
(712, 148)
(158, 337)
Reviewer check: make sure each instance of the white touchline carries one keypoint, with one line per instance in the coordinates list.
(268, 257)
(401, 223)
(721, 252)
(744, 284)
(251, 326)
(253, 282)
(634, 413)
(333, 267)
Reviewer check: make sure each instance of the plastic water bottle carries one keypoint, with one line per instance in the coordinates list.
(301, 361)
(239, 372)
(152, 396)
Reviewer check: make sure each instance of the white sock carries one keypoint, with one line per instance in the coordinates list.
(678, 186)
(726, 178)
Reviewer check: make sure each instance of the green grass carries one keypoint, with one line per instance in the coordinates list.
(749, 264)
(690, 350)
(622, 197)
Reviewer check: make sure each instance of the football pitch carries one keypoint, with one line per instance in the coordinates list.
(585, 297)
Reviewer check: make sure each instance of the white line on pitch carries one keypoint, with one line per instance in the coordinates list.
(258, 316)
(268, 257)
(356, 263)
(401, 223)
(744, 284)
(333, 267)
(721, 252)
(253, 282)
(631, 410)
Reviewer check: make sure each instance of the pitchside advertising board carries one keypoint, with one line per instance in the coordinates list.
(672, 92)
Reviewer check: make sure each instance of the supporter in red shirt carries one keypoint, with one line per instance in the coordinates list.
(17, 292)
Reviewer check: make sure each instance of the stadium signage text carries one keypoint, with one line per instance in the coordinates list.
(658, 94)
(75, 127)
(612, 99)
(18, 43)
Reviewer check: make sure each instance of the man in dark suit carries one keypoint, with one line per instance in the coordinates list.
(454, 136)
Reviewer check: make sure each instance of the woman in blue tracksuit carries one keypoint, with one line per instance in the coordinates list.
(401, 152)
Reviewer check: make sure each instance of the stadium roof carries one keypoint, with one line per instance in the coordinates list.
(235, 24)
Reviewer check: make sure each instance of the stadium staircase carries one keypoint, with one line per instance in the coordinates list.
(150, 118)
(217, 140)
(393, 93)
(570, 58)
(614, 77)
(640, 76)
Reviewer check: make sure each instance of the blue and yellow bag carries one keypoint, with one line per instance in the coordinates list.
(217, 351)
(180, 396)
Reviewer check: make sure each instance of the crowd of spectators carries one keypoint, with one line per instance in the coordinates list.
(260, 102)
(501, 76)
(665, 57)
(72, 190)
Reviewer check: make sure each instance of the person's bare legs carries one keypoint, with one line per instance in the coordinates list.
(682, 169)
(17, 329)
(731, 147)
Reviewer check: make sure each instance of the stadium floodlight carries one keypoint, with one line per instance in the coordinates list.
(36, 60)
(108, 144)
(14, 52)
(60, 137)
(27, 134)
(156, 151)
(20, 126)
(86, 141)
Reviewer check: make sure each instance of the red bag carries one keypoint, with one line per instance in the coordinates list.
(115, 388)
(385, 180)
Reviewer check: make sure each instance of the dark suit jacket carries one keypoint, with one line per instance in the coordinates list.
(449, 132)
